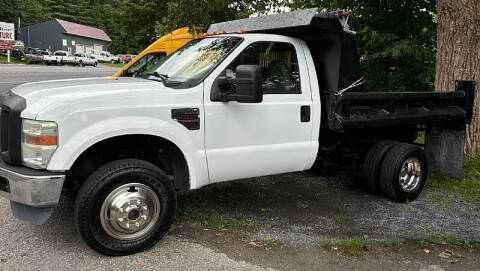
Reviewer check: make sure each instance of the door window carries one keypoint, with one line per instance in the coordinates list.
(278, 60)
(144, 63)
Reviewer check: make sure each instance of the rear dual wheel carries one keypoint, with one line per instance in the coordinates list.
(397, 170)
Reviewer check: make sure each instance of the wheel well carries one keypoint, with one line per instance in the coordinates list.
(159, 151)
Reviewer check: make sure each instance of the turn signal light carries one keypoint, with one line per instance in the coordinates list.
(41, 140)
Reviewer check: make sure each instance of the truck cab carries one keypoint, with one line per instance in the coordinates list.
(237, 103)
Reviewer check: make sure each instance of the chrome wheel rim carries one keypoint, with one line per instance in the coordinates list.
(410, 174)
(130, 211)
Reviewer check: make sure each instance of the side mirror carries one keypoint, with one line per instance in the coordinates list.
(245, 88)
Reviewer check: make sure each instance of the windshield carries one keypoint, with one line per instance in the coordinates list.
(193, 61)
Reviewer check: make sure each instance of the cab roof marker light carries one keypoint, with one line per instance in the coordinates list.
(345, 13)
(241, 31)
(223, 32)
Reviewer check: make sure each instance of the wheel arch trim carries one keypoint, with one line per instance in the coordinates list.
(71, 149)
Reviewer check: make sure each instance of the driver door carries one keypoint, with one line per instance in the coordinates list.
(255, 139)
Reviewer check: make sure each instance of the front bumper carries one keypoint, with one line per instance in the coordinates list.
(30, 187)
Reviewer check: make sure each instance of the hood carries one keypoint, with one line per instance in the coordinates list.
(40, 95)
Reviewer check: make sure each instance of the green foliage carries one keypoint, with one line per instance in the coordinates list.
(199, 14)
(104, 14)
(467, 189)
(4, 60)
(349, 247)
(268, 243)
(394, 242)
(396, 40)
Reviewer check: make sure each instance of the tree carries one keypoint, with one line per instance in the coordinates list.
(396, 40)
(199, 14)
(31, 11)
(137, 20)
(458, 55)
(9, 11)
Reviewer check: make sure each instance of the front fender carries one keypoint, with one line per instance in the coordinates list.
(73, 142)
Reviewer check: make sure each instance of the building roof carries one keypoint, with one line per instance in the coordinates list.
(83, 30)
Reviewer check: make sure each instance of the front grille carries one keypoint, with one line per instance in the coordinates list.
(10, 127)
(4, 130)
(4, 185)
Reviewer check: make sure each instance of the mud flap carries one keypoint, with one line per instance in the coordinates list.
(444, 148)
(32, 215)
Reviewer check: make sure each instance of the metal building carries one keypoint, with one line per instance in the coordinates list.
(58, 34)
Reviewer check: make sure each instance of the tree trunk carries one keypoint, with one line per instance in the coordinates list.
(458, 56)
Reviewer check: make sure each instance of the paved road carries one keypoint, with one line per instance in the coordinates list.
(12, 75)
(57, 246)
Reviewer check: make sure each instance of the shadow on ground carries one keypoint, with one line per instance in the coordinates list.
(304, 208)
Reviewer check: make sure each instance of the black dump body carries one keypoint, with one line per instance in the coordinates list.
(348, 110)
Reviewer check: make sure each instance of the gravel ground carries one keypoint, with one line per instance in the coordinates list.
(305, 208)
(57, 246)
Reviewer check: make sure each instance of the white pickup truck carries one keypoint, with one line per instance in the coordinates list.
(83, 60)
(59, 57)
(107, 57)
(278, 96)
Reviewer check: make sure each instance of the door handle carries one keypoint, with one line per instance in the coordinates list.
(305, 113)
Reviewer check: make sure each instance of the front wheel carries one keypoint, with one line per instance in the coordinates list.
(125, 207)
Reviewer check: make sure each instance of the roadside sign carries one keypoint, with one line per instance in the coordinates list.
(5, 45)
(7, 31)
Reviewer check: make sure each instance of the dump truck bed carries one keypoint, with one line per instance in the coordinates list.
(346, 102)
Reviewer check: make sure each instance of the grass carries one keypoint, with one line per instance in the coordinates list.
(467, 189)
(269, 243)
(394, 242)
(340, 218)
(426, 228)
(420, 138)
(233, 228)
(411, 208)
(117, 65)
(444, 203)
(3, 60)
(349, 247)
(211, 221)
(450, 241)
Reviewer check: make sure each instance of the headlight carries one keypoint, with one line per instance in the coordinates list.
(39, 142)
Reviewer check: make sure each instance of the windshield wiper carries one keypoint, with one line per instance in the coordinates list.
(163, 77)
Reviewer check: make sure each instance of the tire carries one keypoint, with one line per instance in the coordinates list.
(112, 61)
(399, 158)
(95, 65)
(92, 214)
(373, 163)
